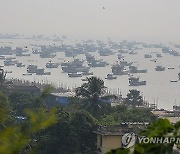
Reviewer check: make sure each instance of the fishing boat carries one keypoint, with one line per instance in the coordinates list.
(160, 68)
(52, 65)
(134, 69)
(110, 77)
(133, 53)
(123, 51)
(158, 55)
(75, 66)
(154, 60)
(84, 79)
(125, 63)
(170, 68)
(147, 56)
(120, 56)
(27, 73)
(105, 52)
(70, 54)
(20, 65)
(90, 58)
(41, 72)
(10, 62)
(87, 73)
(98, 64)
(32, 69)
(173, 80)
(22, 54)
(2, 57)
(47, 55)
(8, 71)
(134, 81)
(75, 75)
(118, 69)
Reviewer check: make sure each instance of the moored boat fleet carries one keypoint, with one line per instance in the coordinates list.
(76, 67)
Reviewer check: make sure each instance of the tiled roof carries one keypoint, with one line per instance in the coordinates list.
(113, 130)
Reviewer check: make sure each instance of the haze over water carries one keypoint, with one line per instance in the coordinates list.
(145, 20)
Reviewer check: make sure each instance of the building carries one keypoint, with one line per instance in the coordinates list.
(110, 137)
(55, 99)
(172, 116)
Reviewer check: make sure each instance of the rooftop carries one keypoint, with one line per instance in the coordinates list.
(113, 130)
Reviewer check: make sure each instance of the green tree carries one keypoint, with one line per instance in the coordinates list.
(159, 128)
(122, 114)
(5, 111)
(19, 137)
(2, 77)
(21, 101)
(71, 134)
(57, 138)
(83, 124)
(133, 98)
(92, 93)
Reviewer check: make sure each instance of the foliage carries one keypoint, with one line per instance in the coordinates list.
(39, 102)
(73, 133)
(64, 130)
(14, 138)
(20, 101)
(92, 94)
(19, 137)
(2, 77)
(73, 105)
(91, 90)
(41, 118)
(108, 120)
(133, 98)
(83, 124)
(122, 114)
(119, 151)
(159, 128)
(5, 110)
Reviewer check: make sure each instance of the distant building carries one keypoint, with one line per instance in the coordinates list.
(55, 99)
(110, 137)
(176, 108)
(172, 116)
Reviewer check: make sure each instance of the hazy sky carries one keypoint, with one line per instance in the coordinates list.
(134, 19)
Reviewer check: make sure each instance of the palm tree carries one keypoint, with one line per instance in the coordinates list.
(133, 98)
(92, 94)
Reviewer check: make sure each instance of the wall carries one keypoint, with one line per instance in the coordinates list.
(109, 143)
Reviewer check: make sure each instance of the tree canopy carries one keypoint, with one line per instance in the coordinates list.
(133, 98)
(92, 94)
